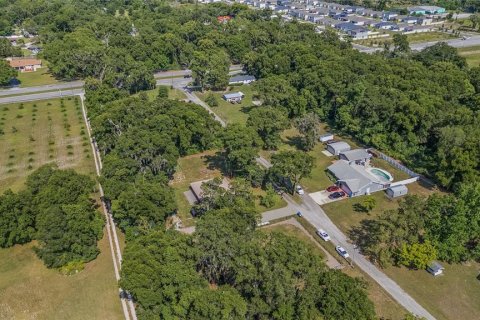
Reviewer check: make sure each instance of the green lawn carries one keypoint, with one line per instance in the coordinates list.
(454, 295)
(36, 78)
(229, 112)
(36, 133)
(28, 290)
(429, 36)
(472, 54)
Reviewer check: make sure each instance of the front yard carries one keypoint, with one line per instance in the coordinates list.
(232, 112)
(36, 78)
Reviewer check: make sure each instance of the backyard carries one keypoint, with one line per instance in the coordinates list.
(37, 133)
(230, 112)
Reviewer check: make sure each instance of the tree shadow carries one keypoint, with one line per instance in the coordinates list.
(247, 109)
(216, 161)
(294, 141)
(361, 235)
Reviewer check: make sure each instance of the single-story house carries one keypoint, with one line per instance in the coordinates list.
(354, 180)
(387, 16)
(397, 191)
(358, 34)
(196, 187)
(326, 137)
(336, 147)
(242, 79)
(234, 97)
(25, 64)
(355, 155)
(385, 25)
(410, 20)
(435, 268)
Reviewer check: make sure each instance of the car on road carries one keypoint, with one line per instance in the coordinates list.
(322, 234)
(299, 214)
(333, 188)
(299, 190)
(337, 195)
(341, 251)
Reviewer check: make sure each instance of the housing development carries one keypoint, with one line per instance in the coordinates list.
(244, 159)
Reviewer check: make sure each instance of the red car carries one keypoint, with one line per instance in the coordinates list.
(333, 188)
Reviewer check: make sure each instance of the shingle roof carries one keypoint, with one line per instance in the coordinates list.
(355, 154)
(22, 62)
(340, 145)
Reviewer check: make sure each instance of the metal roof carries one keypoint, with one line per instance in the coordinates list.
(242, 77)
(233, 95)
(339, 146)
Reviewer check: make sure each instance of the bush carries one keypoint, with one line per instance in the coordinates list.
(163, 92)
(211, 100)
(270, 198)
(366, 205)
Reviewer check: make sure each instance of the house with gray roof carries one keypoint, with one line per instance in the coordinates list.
(355, 155)
(354, 180)
(242, 79)
(336, 148)
(234, 97)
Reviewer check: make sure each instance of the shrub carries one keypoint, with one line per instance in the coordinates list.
(211, 100)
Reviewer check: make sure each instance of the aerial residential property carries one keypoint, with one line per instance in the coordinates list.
(25, 64)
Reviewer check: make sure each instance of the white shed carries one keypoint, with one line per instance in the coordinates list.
(326, 137)
(397, 191)
(337, 147)
(435, 268)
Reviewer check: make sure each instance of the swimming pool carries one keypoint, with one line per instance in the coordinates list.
(382, 174)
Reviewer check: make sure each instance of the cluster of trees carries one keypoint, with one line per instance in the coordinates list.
(7, 72)
(229, 270)
(141, 141)
(55, 209)
(421, 108)
(446, 227)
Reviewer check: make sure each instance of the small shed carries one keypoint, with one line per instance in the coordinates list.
(326, 137)
(355, 155)
(435, 268)
(337, 147)
(234, 97)
(397, 191)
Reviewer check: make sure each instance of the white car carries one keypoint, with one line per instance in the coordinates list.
(341, 251)
(300, 190)
(322, 234)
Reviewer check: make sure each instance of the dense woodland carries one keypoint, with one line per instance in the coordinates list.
(55, 209)
(421, 108)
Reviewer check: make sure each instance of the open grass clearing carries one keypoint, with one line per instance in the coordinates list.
(41, 132)
(232, 112)
(453, 295)
(36, 78)
(429, 36)
(28, 290)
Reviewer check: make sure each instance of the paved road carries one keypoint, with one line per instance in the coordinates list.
(50, 87)
(456, 43)
(193, 98)
(41, 96)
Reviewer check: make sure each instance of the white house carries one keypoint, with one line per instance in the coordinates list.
(241, 79)
(234, 97)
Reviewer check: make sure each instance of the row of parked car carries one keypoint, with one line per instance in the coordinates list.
(336, 192)
(324, 235)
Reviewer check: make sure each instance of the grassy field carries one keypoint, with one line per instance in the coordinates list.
(229, 112)
(28, 290)
(36, 133)
(453, 295)
(36, 78)
(472, 54)
(412, 38)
